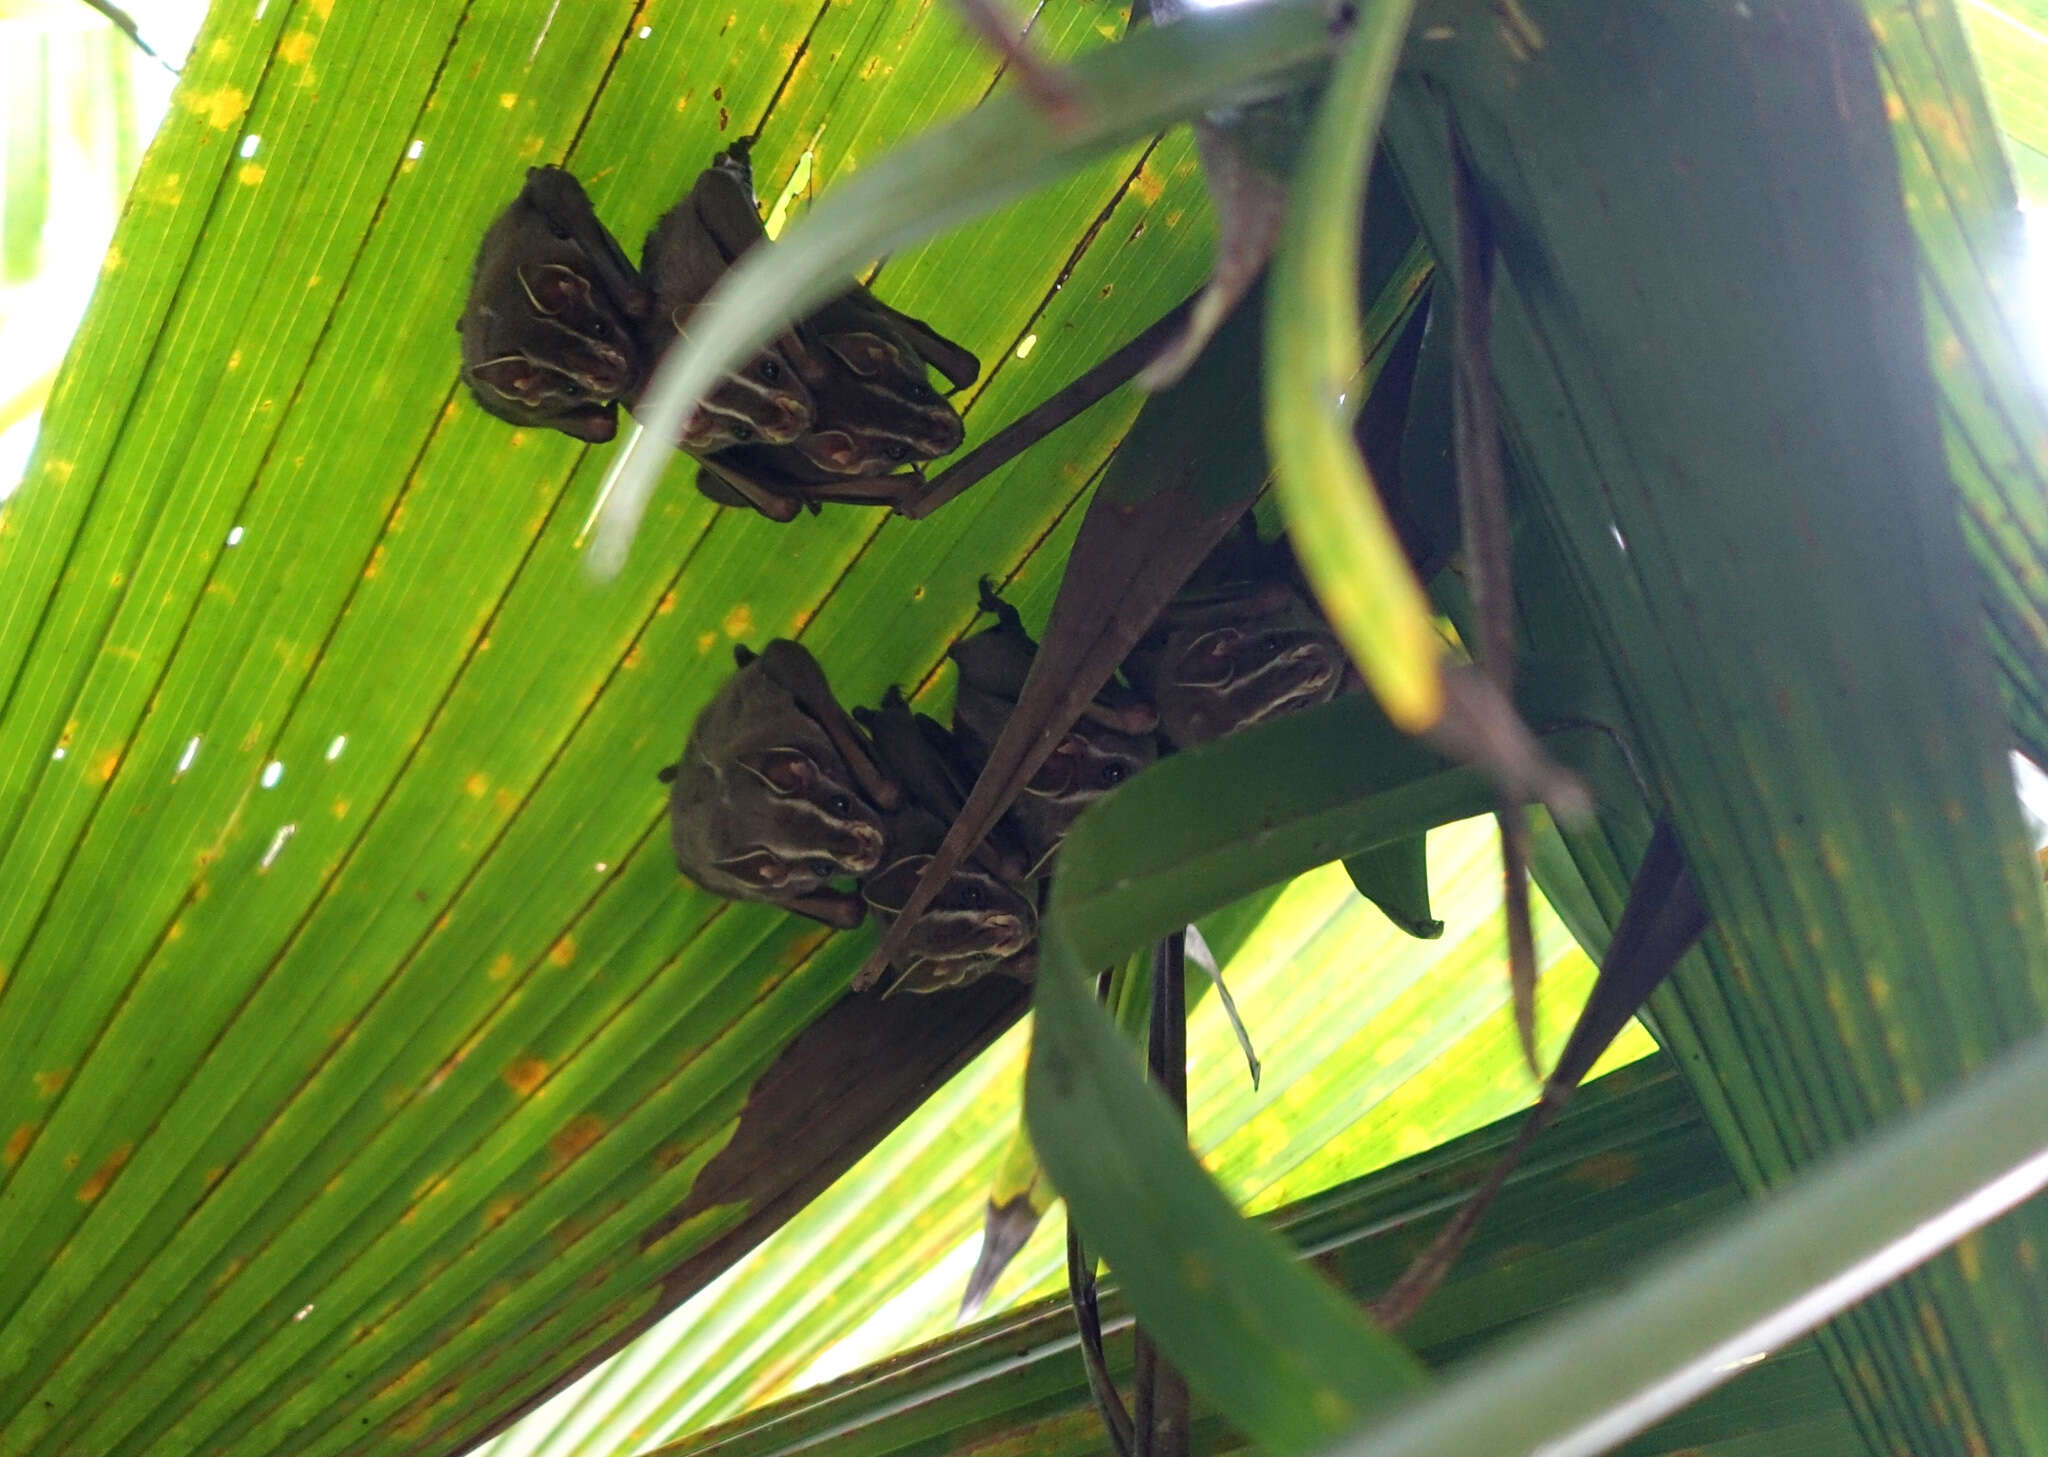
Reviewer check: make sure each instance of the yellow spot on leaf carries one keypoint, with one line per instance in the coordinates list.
(50, 1084)
(1333, 1411)
(1970, 1255)
(249, 174)
(502, 966)
(221, 108)
(666, 605)
(404, 1378)
(499, 1210)
(632, 658)
(563, 951)
(738, 621)
(508, 99)
(176, 933)
(524, 1074)
(1608, 1170)
(297, 48)
(475, 785)
(1930, 1323)
(17, 1144)
(340, 809)
(576, 1136)
(705, 641)
(96, 1184)
(1880, 990)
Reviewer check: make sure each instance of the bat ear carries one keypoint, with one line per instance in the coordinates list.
(555, 288)
(666, 774)
(759, 867)
(889, 888)
(1061, 771)
(594, 423)
(833, 449)
(742, 654)
(786, 771)
(867, 355)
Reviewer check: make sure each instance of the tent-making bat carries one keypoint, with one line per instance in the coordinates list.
(983, 918)
(766, 399)
(549, 335)
(1240, 645)
(1111, 741)
(777, 793)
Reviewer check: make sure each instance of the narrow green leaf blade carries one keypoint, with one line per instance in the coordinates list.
(1395, 877)
(1347, 545)
(1290, 1360)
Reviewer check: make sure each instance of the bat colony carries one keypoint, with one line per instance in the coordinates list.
(781, 792)
(781, 795)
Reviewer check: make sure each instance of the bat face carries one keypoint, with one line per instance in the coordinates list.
(785, 825)
(763, 805)
(1222, 679)
(549, 336)
(877, 410)
(1088, 763)
(979, 923)
(1248, 653)
(763, 401)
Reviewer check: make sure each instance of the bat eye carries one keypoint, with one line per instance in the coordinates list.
(823, 869)
(896, 451)
(840, 805)
(743, 432)
(599, 329)
(972, 898)
(770, 371)
(1115, 773)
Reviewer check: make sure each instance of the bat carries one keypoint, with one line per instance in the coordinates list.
(777, 794)
(1110, 741)
(550, 331)
(982, 919)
